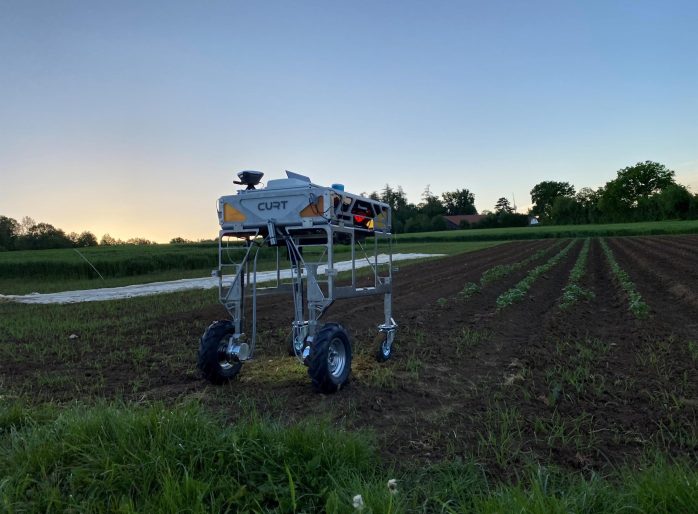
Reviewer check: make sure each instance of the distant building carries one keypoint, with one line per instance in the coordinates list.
(453, 222)
(532, 220)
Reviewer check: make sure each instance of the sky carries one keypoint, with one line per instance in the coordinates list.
(132, 117)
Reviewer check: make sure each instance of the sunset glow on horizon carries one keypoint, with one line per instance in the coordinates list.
(132, 118)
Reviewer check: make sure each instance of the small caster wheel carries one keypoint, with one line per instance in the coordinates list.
(384, 342)
(294, 347)
(329, 362)
(296, 342)
(212, 361)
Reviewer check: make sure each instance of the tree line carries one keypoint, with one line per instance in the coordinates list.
(646, 191)
(428, 215)
(27, 234)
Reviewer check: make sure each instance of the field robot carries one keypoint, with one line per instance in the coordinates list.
(302, 228)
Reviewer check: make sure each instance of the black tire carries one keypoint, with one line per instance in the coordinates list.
(382, 352)
(209, 362)
(329, 362)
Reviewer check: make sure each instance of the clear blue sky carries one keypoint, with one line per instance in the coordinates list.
(132, 117)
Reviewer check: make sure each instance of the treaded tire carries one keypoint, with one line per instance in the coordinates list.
(208, 360)
(330, 346)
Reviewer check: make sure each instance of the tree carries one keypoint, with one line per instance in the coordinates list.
(588, 200)
(9, 230)
(401, 209)
(544, 194)
(140, 241)
(503, 206)
(395, 198)
(643, 180)
(693, 208)
(430, 206)
(86, 239)
(587, 196)
(460, 201)
(438, 223)
(43, 236)
(26, 224)
(631, 195)
(675, 202)
(502, 219)
(566, 211)
(108, 240)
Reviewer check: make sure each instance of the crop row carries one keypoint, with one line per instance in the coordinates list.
(635, 302)
(518, 292)
(500, 271)
(573, 292)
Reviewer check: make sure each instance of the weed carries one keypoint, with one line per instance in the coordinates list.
(468, 338)
(502, 436)
(556, 431)
(414, 364)
(139, 355)
(575, 372)
(379, 376)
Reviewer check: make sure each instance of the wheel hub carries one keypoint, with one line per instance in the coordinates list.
(336, 358)
(231, 351)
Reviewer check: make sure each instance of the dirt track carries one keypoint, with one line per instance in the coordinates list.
(584, 387)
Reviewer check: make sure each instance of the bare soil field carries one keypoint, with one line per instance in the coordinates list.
(584, 388)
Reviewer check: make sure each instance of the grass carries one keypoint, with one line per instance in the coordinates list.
(501, 436)
(110, 261)
(518, 292)
(573, 292)
(183, 458)
(467, 339)
(576, 371)
(644, 228)
(47, 271)
(168, 460)
(635, 302)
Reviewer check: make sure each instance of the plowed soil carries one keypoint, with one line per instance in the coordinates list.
(584, 387)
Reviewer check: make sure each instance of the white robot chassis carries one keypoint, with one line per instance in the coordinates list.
(307, 225)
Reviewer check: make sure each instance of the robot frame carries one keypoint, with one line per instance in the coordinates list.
(305, 223)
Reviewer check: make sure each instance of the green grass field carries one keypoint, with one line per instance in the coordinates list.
(541, 232)
(185, 459)
(46, 271)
